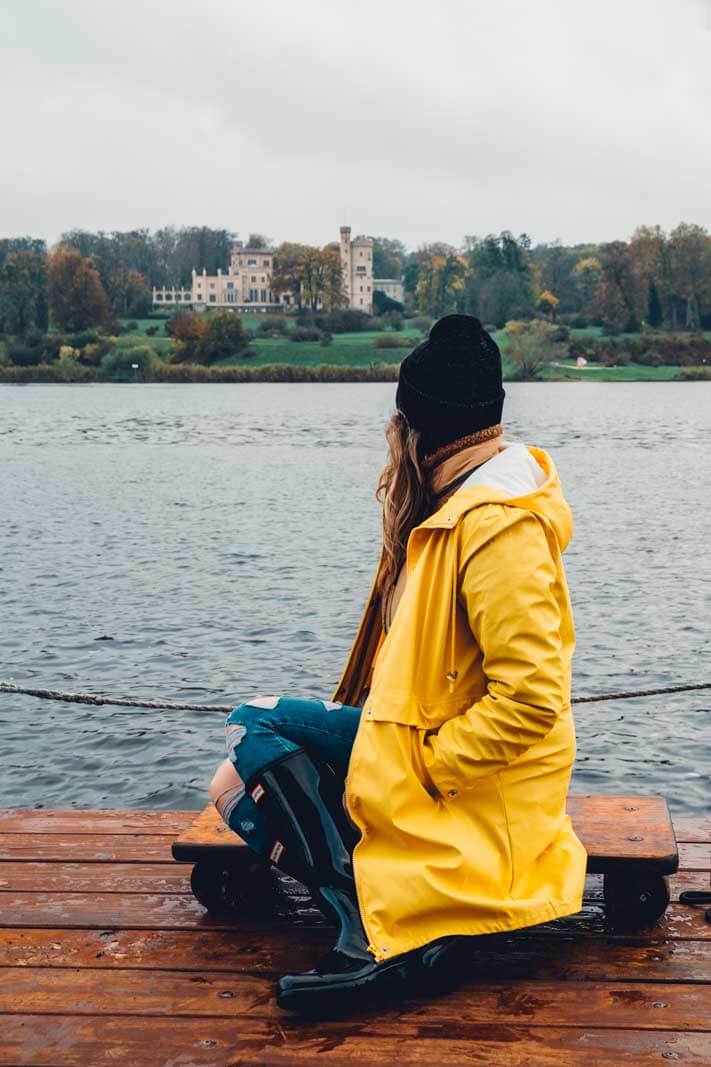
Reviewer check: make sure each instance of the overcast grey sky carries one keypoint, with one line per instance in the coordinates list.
(563, 118)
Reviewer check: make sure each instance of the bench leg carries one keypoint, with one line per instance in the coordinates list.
(248, 887)
(634, 899)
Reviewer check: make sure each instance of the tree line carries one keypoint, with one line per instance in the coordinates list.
(656, 279)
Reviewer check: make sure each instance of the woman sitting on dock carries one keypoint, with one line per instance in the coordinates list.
(425, 803)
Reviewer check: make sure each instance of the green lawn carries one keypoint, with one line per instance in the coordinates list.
(346, 349)
(631, 372)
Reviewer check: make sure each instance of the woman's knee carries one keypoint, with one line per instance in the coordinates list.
(226, 783)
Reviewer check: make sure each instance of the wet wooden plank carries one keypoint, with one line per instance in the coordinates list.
(73, 877)
(179, 911)
(264, 950)
(88, 848)
(614, 830)
(93, 821)
(695, 857)
(157, 848)
(681, 1006)
(81, 1040)
(30, 877)
(693, 828)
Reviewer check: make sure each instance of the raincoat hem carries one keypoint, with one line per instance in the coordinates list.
(546, 913)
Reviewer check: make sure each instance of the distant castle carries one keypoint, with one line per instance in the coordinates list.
(246, 286)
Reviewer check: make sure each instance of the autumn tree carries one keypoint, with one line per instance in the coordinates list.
(621, 294)
(188, 331)
(588, 275)
(77, 299)
(313, 275)
(651, 254)
(548, 303)
(499, 285)
(441, 285)
(654, 305)
(23, 286)
(690, 247)
(129, 292)
(389, 257)
(287, 270)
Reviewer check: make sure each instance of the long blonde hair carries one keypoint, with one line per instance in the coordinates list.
(404, 492)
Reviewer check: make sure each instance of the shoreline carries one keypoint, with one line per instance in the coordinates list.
(299, 374)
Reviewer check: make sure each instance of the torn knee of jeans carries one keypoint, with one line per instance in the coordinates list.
(263, 702)
(331, 705)
(234, 733)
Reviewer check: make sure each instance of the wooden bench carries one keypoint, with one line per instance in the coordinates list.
(629, 840)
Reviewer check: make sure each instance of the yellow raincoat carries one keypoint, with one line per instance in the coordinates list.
(460, 769)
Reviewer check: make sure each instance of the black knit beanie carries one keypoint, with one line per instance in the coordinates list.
(450, 385)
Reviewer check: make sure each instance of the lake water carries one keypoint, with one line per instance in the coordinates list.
(207, 543)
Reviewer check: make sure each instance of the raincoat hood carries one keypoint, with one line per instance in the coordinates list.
(518, 473)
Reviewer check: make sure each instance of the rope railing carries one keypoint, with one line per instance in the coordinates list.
(225, 709)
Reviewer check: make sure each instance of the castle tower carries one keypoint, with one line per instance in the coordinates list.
(346, 262)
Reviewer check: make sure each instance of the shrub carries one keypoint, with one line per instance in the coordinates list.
(24, 355)
(376, 323)
(394, 320)
(41, 373)
(151, 331)
(390, 340)
(422, 323)
(529, 345)
(271, 325)
(118, 364)
(343, 320)
(83, 338)
(225, 337)
(384, 303)
(304, 333)
(326, 340)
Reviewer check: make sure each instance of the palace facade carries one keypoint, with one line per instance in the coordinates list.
(246, 285)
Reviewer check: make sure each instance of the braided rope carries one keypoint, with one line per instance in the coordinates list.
(225, 709)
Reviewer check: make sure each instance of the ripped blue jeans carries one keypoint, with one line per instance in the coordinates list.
(261, 732)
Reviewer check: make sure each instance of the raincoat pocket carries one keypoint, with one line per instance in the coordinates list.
(419, 767)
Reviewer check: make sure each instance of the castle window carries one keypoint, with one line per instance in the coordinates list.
(230, 285)
(213, 298)
(253, 278)
(251, 263)
(266, 263)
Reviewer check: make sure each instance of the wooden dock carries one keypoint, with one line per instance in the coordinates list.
(105, 957)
